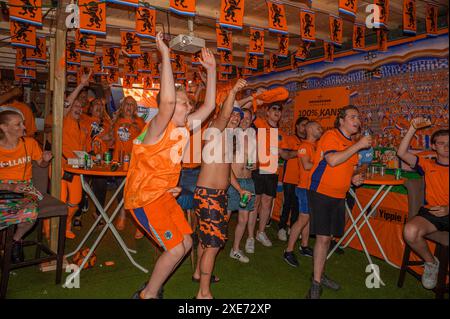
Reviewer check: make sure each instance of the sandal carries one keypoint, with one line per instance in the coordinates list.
(213, 280)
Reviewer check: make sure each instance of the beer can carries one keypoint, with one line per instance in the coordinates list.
(126, 162)
(107, 158)
(244, 200)
(398, 173)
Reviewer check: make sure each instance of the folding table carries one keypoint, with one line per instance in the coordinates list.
(105, 171)
(385, 184)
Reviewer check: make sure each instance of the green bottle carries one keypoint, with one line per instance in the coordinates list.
(244, 200)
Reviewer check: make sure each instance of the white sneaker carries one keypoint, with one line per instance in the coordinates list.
(430, 273)
(282, 235)
(239, 255)
(250, 246)
(263, 239)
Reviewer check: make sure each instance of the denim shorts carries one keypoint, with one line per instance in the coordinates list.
(234, 197)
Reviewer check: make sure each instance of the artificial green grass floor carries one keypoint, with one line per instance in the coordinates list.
(267, 276)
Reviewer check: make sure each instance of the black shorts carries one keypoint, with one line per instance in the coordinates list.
(327, 215)
(441, 223)
(265, 183)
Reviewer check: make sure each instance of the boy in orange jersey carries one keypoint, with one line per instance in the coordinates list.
(210, 197)
(433, 216)
(154, 172)
(306, 153)
(333, 172)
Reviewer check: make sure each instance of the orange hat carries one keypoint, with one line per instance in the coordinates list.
(275, 95)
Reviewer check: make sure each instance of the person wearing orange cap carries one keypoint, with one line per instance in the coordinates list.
(152, 179)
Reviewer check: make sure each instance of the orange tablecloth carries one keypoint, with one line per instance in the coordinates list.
(103, 170)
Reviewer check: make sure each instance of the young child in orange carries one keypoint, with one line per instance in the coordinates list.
(16, 154)
(155, 169)
(433, 215)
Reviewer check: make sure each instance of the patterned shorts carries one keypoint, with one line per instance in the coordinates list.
(210, 205)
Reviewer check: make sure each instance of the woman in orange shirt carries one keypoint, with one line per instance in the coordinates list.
(127, 126)
(16, 154)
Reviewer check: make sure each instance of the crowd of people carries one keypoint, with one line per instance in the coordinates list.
(319, 169)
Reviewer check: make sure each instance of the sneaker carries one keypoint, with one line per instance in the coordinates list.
(430, 273)
(338, 251)
(290, 258)
(250, 246)
(282, 234)
(315, 291)
(269, 223)
(328, 283)
(305, 251)
(263, 239)
(239, 255)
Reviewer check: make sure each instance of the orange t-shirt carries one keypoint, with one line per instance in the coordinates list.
(16, 164)
(306, 149)
(124, 134)
(74, 138)
(28, 115)
(436, 181)
(332, 181)
(291, 169)
(96, 129)
(271, 151)
(152, 171)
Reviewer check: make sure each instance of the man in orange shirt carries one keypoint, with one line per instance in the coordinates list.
(305, 154)
(154, 171)
(433, 216)
(290, 178)
(331, 176)
(13, 96)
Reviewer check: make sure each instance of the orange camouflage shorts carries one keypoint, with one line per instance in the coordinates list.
(210, 205)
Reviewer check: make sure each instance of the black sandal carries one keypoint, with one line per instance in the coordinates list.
(213, 280)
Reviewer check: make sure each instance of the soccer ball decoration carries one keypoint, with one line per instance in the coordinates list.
(80, 255)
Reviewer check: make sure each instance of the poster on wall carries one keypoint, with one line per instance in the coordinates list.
(321, 105)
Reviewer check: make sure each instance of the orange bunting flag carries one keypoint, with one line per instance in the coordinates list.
(147, 82)
(336, 26)
(72, 56)
(225, 69)
(251, 61)
(92, 16)
(307, 25)
(130, 66)
(113, 76)
(178, 63)
(383, 6)
(283, 45)
(21, 60)
(26, 11)
(22, 34)
(111, 57)
(128, 81)
(232, 14)
(328, 48)
(39, 53)
(146, 22)
(224, 39)
(295, 63)
(155, 70)
(359, 33)
(409, 17)
(72, 68)
(195, 60)
(85, 42)
(382, 39)
(222, 77)
(348, 7)
(98, 65)
(431, 19)
(256, 41)
(131, 3)
(131, 44)
(226, 58)
(277, 17)
(273, 61)
(303, 51)
(144, 62)
(267, 66)
(183, 7)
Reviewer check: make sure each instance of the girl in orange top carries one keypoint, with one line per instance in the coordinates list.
(127, 127)
(16, 154)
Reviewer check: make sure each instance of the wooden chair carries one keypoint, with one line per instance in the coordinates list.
(49, 207)
(416, 196)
